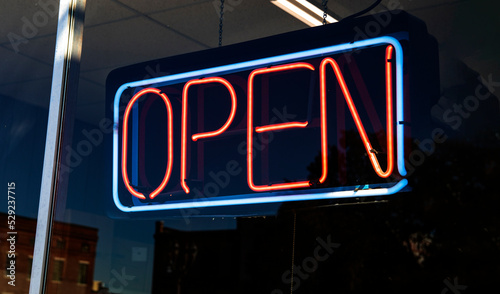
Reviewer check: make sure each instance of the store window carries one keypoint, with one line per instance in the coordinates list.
(429, 236)
(27, 43)
(26, 58)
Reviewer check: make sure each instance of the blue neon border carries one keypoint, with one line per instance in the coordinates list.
(246, 65)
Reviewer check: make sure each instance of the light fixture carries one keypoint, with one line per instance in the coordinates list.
(304, 11)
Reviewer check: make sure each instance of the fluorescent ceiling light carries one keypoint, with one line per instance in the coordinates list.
(304, 11)
(316, 11)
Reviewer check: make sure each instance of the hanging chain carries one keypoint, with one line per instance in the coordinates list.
(293, 248)
(220, 21)
(325, 9)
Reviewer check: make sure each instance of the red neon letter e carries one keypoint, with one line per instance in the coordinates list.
(268, 128)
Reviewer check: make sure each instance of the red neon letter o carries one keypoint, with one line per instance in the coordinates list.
(168, 170)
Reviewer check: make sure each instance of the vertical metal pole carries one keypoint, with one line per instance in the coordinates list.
(67, 54)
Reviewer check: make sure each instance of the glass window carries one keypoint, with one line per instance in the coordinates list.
(426, 237)
(57, 270)
(60, 244)
(85, 247)
(83, 272)
(27, 42)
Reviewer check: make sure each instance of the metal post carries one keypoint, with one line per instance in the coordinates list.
(67, 55)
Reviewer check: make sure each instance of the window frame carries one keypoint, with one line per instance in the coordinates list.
(66, 57)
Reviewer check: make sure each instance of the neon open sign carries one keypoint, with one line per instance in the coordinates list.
(174, 134)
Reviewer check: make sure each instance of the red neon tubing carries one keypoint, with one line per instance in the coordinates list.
(198, 136)
(359, 125)
(282, 126)
(168, 170)
(250, 127)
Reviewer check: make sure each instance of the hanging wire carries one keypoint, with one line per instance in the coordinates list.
(220, 21)
(325, 10)
(375, 4)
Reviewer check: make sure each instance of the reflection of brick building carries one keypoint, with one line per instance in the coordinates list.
(71, 267)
